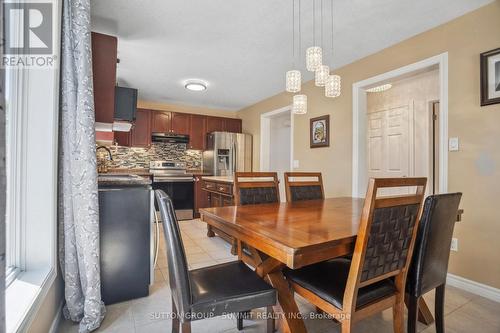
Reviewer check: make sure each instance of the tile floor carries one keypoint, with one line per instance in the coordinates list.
(464, 312)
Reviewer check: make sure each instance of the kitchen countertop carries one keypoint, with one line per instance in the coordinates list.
(222, 179)
(122, 180)
(139, 171)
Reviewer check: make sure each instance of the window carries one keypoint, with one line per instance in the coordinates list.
(13, 140)
(31, 110)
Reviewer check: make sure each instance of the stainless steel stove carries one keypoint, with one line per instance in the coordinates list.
(171, 177)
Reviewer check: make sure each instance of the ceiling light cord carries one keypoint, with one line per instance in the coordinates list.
(293, 33)
(300, 37)
(321, 23)
(332, 30)
(314, 22)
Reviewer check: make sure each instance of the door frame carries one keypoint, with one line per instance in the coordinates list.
(265, 135)
(359, 124)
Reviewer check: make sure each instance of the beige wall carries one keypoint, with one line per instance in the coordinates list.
(185, 109)
(474, 170)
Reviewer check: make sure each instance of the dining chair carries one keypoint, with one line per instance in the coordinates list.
(303, 186)
(429, 265)
(252, 188)
(207, 292)
(374, 279)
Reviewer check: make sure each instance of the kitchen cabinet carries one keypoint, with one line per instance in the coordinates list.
(220, 194)
(104, 57)
(232, 125)
(140, 134)
(200, 196)
(197, 132)
(161, 121)
(180, 123)
(215, 124)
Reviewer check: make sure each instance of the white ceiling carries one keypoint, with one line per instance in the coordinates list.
(243, 48)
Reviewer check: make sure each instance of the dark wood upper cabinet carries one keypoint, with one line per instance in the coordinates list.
(232, 125)
(141, 132)
(104, 56)
(180, 123)
(161, 121)
(197, 132)
(215, 124)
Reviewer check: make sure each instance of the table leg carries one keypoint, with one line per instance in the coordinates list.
(271, 270)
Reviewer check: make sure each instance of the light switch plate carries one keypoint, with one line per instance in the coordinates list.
(453, 144)
(295, 164)
(454, 244)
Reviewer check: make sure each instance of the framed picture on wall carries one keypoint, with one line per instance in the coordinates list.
(490, 77)
(320, 131)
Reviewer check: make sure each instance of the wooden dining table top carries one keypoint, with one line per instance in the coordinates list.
(296, 233)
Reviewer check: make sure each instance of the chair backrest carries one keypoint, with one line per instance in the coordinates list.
(256, 188)
(429, 264)
(386, 235)
(303, 186)
(176, 256)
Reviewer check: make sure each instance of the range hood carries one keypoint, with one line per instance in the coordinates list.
(169, 137)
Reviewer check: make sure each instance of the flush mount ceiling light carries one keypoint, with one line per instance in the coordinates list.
(381, 88)
(195, 85)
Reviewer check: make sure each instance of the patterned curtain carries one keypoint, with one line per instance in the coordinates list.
(78, 196)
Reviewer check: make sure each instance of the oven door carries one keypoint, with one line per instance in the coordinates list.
(181, 191)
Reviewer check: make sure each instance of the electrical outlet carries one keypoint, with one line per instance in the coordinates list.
(454, 244)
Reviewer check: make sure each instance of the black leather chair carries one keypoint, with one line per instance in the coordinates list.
(429, 264)
(211, 291)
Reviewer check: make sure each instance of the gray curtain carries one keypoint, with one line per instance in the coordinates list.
(78, 199)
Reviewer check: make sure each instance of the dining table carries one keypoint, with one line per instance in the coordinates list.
(274, 236)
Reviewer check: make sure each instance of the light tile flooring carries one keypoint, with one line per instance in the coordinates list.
(464, 312)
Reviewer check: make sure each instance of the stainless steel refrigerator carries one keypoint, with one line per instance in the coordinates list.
(227, 153)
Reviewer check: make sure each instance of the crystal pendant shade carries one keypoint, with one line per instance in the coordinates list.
(293, 81)
(321, 75)
(299, 104)
(314, 58)
(333, 86)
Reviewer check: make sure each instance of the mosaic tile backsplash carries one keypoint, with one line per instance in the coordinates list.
(136, 158)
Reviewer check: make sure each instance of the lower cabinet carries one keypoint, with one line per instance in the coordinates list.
(220, 194)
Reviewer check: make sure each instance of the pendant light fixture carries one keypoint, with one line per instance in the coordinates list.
(333, 82)
(314, 54)
(333, 86)
(299, 105)
(323, 71)
(293, 78)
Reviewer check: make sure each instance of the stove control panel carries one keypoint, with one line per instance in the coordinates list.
(167, 165)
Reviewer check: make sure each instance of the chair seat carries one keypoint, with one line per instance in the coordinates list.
(328, 280)
(228, 288)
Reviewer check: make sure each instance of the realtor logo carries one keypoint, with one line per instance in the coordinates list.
(28, 28)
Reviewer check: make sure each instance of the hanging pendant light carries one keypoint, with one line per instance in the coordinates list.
(321, 75)
(299, 105)
(293, 78)
(314, 58)
(293, 81)
(333, 86)
(333, 82)
(314, 54)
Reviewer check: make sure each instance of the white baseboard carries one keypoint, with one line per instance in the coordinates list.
(57, 319)
(474, 287)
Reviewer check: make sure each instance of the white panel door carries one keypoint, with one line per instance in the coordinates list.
(389, 145)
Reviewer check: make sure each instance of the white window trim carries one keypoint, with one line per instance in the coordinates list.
(34, 203)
